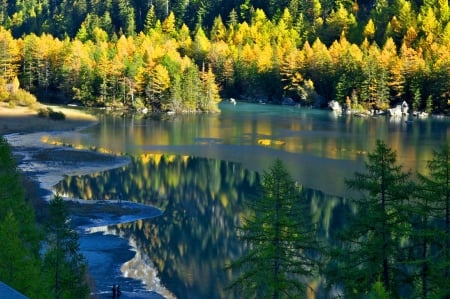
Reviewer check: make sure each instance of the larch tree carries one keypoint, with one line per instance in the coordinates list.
(65, 266)
(158, 87)
(9, 56)
(211, 97)
(281, 240)
(432, 232)
(370, 246)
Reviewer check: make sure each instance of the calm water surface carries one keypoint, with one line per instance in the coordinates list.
(199, 168)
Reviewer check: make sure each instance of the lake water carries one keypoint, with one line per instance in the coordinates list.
(198, 169)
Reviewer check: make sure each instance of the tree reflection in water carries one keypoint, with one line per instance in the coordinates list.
(201, 200)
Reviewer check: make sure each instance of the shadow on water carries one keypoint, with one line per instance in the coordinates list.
(202, 203)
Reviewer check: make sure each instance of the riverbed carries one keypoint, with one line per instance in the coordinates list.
(110, 257)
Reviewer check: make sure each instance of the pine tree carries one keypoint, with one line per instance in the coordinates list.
(281, 240)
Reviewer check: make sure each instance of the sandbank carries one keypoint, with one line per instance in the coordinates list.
(25, 120)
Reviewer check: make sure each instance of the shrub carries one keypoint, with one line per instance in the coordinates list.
(49, 113)
(56, 115)
(22, 98)
(43, 112)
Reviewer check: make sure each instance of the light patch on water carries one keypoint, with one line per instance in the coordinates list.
(142, 268)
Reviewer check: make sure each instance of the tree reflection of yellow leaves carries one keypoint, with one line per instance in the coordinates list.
(157, 158)
(268, 142)
(148, 230)
(45, 139)
(224, 200)
(311, 290)
(170, 158)
(185, 159)
(181, 249)
(88, 193)
(145, 158)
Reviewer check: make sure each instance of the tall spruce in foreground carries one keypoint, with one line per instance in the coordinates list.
(281, 241)
(432, 230)
(65, 266)
(369, 250)
(19, 234)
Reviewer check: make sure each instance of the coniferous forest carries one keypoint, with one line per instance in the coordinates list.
(187, 55)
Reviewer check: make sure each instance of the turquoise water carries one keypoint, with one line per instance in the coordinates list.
(199, 168)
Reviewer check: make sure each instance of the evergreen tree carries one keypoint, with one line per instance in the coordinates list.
(281, 240)
(19, 267)
(19, 236)
(191, 87)
(150, 20)
(65, 266)
(432, 230)
(370, 246)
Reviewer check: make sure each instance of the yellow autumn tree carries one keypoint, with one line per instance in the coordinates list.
(211, 97)
(157, 87)
(9, 56)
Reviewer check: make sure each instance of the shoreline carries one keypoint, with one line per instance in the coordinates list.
(44, 165)
(26, 120)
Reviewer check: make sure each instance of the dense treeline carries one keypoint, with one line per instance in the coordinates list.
(173, 55)
(39, 263)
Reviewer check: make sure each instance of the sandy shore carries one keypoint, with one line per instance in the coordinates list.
(26, 120)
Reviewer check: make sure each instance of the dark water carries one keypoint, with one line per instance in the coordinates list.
(199, 168)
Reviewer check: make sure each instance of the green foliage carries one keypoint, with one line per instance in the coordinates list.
(19, 235)
(65, 267)
(51, 114)
(378, 291)
(281, 240)
(372, 242)
(430, 237)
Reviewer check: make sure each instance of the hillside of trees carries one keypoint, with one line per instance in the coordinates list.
(186, 55)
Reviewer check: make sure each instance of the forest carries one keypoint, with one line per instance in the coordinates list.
(183, 56)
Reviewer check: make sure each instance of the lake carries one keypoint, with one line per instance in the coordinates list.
(199, 168)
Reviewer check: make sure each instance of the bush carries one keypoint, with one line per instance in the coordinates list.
(22, 98)
(43, 113)
(49, 113)
(56, 115)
